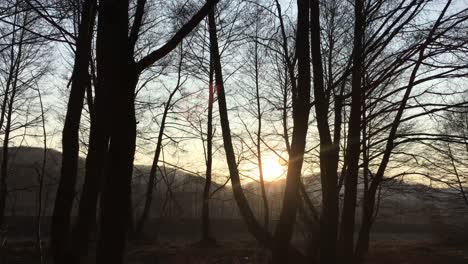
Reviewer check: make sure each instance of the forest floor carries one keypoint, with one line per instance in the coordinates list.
(382, 252)
(417, 252)
(245, 252)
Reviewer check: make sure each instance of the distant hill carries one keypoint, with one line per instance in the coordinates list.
(25, 164)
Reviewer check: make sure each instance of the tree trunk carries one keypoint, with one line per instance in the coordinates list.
(354, 135)
(121, 73)
(329, 155)
(95, 164)
(206, 225)
(120, 78)
(301, 109)
(266, 210)
(70, 142)
(253, 225)
(41, 176)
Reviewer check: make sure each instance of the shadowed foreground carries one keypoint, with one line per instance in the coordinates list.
(227, 252)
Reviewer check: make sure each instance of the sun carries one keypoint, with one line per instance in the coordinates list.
(272, 169)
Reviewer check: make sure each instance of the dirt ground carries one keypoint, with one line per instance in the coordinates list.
(382, 252)
(245, 252)
(417, 252)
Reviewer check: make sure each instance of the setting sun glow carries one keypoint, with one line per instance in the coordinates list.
(272, 169)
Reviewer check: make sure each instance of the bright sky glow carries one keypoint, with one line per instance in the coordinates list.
(272, 169)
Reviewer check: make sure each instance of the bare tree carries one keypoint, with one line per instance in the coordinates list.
(168, 105)
(206, 224)
(60, 229)
(41, 175)
(113, 21)
(22, 67)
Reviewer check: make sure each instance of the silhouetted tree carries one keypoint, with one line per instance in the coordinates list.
(119, 61)
(60, 227)
(154, 166)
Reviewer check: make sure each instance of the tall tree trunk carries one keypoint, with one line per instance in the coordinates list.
(301, 109)
(41, 176)
(60, 228)
(329, 155)
(253, 225)
(121, 73)
(354, 135)
(95, 164)
(120, 77)
(266, 210)
(206, 224)
(255, 228)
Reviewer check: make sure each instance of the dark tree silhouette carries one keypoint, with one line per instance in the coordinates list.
(206, 224)
(113, 24)
(60, 228)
